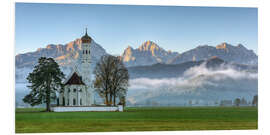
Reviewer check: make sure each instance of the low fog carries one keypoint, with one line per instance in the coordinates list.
(199, 84)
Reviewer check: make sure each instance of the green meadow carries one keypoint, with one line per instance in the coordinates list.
(31, 120)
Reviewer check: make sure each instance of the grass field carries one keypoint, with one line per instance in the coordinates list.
(138, 119)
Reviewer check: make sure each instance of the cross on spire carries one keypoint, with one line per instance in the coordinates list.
(86, 31)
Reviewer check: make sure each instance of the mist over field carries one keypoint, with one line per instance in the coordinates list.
(199, 84)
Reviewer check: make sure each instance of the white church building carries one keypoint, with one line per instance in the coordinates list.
(78, 90)
(78, 93)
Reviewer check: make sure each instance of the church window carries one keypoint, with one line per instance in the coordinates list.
(74, 101)
(74, 90)
(80, 101)
(83, 52)
(86, 51)
(89, 51)
(68, 90)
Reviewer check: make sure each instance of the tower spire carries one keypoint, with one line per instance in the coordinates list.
(86, 38)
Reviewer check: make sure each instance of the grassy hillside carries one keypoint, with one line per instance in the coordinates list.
(138, 119)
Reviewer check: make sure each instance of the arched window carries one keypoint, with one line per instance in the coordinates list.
(80, 101)
(89, 51)
(74, 90)
(63, 101)
(86, 51)
(74, 101)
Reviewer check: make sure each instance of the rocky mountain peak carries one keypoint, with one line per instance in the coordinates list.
(129, 48)
(241, 46)
(39, 49)
(147, 54)
(127, 55)
(149, 46)
(72, 46)
(50, 46)
(222, 46)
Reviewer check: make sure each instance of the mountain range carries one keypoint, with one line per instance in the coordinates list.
(150, 53)
(65, 55)
(205, 74)
(160, 70)
(236, 54)
(147, 54)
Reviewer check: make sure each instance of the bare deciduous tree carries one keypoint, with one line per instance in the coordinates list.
(111, 79)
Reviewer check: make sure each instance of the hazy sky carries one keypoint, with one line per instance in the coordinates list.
(115, 27)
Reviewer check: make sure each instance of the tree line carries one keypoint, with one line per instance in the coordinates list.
(240, 102)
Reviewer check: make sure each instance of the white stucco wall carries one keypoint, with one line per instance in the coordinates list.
(87, 109)
(82, 92)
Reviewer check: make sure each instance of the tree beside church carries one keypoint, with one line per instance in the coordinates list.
(111, 81)
(45, 81)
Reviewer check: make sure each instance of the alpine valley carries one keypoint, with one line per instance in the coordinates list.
(204, 75)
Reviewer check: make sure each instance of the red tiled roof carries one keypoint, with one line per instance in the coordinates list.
(75, 79)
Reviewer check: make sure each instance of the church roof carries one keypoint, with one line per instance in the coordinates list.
(75, 79)
(86, 38)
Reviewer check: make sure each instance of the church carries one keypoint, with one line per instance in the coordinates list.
(78, 89)
(79, 93)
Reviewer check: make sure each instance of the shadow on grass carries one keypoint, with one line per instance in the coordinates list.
(29, 110)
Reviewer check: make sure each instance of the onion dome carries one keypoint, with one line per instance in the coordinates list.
(86, 38)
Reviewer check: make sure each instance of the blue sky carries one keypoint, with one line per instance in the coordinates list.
(115, 27)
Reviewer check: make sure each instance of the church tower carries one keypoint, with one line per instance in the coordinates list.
(85, 59)
(78, 90)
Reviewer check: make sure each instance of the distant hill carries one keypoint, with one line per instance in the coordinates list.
(160, 70)
(202, 83)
